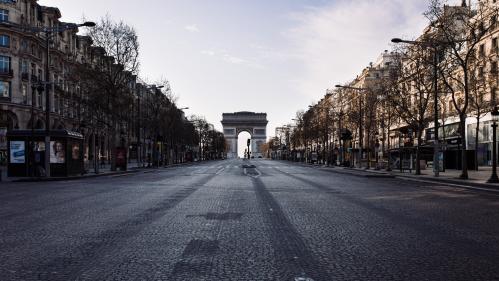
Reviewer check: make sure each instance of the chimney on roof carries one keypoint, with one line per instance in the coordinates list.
(463, 4)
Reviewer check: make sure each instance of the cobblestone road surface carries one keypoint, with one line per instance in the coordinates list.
(246, 220)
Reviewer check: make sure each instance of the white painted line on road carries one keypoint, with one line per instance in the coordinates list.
(303, 279)
(259, 173)
(220, 171)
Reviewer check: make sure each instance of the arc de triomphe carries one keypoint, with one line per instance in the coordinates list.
(253, 123)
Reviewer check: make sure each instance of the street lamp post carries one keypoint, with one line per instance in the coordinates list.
(495, 118)
(342, 139)
(436, 143)
(360, 119)
(140, 150)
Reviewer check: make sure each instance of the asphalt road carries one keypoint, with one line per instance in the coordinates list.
(221, 221)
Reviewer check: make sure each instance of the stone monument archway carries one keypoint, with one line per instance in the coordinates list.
(253, 123)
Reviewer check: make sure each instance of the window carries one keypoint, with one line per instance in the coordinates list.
(481, 50)
(56, 104)
(4, 15)
(493, 67)
(24, 90)
(493, 95)
(39, 100)
(4, 89)
(4, 41)
(481, 29)
(494, 45)
(24, 67)
(24, 45)
(4, 64)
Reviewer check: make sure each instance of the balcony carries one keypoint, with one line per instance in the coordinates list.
(9, 73)
(34, 78)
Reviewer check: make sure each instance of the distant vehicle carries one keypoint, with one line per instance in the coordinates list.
(314, 157)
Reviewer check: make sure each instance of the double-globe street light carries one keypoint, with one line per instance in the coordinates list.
(49, 33)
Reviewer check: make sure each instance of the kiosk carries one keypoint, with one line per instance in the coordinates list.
(25, 160)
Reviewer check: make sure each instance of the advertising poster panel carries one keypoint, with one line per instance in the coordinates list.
(57, 152)
(121, 157)
(75, 151)
(17, 152)
(3, 138)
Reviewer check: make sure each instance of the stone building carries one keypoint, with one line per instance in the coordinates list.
(23, 63)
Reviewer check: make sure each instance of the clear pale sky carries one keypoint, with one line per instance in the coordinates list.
(274, 56)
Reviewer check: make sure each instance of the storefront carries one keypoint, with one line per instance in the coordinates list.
(452, 145)
(7, 121)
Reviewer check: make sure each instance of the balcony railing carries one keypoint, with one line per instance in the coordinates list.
(6, 73)
(25, 76)
(34, 78)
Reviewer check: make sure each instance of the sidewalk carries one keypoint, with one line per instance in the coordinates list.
(477, 179)
(104, 170)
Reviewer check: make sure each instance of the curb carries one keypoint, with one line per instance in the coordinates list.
(484, 187)
(349, 171)
(359, 173)
(133, 170)
(456, 183)
(77, 177)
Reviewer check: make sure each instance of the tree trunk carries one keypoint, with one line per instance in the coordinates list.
(113, 147)
(477, 132)
(464, 156)
(418, 154)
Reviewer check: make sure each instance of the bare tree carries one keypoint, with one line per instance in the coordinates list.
(411, 91)
(119, 42)
(459, 31)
